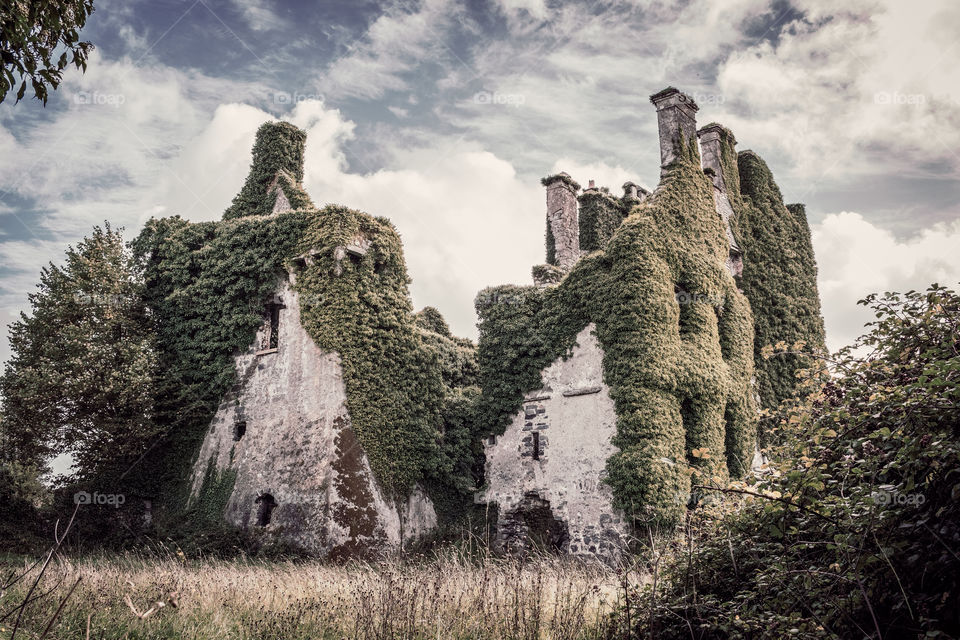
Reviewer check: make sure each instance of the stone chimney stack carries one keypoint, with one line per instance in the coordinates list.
(563, 228)
(633, 192)
(677, 122)
(711, 151)
(712, 138)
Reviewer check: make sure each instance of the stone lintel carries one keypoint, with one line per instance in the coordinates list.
(581, 392)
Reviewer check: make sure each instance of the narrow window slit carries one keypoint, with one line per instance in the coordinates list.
(265, 506)
(274, 326)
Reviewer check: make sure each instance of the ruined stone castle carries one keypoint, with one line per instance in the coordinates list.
(346, 421)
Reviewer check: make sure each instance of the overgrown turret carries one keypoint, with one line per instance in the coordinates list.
(276, 173)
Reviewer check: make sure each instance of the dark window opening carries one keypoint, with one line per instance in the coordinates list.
(685, 300)
(691, 427)
(536, 527)
(274, 341)
(492, 440)
(536, 445)
(265, 506)
(239, 430)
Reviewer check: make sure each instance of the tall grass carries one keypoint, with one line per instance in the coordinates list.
(445, 595)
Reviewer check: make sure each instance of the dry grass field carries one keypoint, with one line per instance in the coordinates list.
(443, 596)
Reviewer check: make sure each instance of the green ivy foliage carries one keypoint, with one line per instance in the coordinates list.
(779, 274)
(853, 532)
(360, 308)
(547, 274)
(600, 215)
(679, 374)
(277, 153)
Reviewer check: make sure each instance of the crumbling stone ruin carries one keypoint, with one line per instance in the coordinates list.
(632, 356)
(311, 406)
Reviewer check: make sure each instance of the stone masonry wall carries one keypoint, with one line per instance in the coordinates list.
(557, 497)
(562, 223)
(298, 446)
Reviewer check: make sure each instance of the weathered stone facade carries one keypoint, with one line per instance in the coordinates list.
(283, 437)
(546, 471)
(284, 431)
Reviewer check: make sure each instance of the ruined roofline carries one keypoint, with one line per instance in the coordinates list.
(672, 95)
(560, 177)
(721, 130)
(631, 184)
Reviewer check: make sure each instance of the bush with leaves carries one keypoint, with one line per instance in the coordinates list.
(853, 531)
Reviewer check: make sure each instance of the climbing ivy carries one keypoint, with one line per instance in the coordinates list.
(779, 275)
(681, 389)
(359, 307)
(277, 154)
(600, 215)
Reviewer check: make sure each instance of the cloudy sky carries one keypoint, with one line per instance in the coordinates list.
(443, 115)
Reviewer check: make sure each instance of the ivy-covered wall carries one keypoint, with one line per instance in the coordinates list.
(677, 337)
(779, 274)
(600, 215)
(399, 376)
(207, 285)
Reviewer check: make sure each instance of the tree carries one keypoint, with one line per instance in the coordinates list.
(81, 376)
(32, 34)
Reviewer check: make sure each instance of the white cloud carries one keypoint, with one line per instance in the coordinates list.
(179, 141)
(466, 219)
(396, 43)
(864, 89)
(856, 258)
(258, 15)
